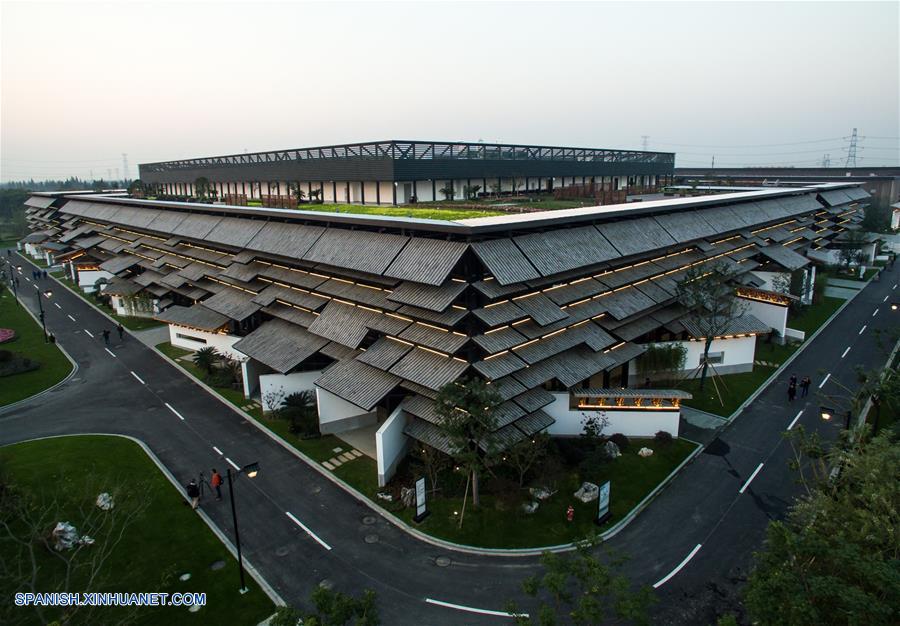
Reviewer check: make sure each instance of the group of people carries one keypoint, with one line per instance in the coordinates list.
(39, 274)
(804, 384)
(106, 334)
(194, 492)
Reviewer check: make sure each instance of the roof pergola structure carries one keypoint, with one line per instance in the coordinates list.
(399, 307)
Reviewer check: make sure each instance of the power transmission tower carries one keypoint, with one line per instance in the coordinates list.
(713, 162)
(645, 141)
(826, 160)
(851, 151)
(125, 167)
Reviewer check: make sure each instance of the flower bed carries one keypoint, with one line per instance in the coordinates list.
(7, 334)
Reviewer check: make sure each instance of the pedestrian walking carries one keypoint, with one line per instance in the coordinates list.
(570, 513)
(121, 330)
(793, 380)
(44, 274)
(106, 336)
(216, 481)
(193, 492)
(792, 391)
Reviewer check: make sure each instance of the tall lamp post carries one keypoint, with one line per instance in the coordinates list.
(828, 413)
(251, 470)
(41, 295)
(12, 283)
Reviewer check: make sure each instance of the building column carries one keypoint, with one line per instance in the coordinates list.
(394, 190)
(433, 190)
(362, 191)
(378, 192)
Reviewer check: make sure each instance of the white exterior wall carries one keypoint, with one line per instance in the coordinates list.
(251, 370)
(770, 278)
(630, 423)
(118, 305)
(738, 356)
(390, 445)
(773, 315)
(87, 279)
(222, 343)
(337, 415)
(33, 251)
(287, 384)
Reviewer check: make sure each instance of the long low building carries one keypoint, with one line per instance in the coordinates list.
(376, 314)
(399, 172)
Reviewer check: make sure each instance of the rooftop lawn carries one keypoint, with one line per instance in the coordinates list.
(29, 342)
(423, 211)
(165, 540)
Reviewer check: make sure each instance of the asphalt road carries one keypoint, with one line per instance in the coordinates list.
(127, 388)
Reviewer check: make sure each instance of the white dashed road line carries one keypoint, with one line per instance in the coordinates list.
(794, 421)
(219, 452)
(824, 380)
(56, 304)
(169, 406)
(233, 464)
(307, 530)
(110, 352)
(876, 312)
(863, 329)
(138, 378)
(752, 476)
(88, 333)
(845, 352)
(28, 279)
(885, 298)
(71, 318)
(668, 576)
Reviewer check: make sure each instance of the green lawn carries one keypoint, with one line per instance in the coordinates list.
(497, 525)
(29, 342)
(420, 211)
(165, 540)
(813, 316)
(129, 322)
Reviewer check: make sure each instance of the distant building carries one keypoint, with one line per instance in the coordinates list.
(375, 314)
(400, 172)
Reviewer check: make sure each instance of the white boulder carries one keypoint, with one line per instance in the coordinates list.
(587, 492)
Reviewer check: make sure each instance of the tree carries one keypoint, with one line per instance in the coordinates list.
(206, 359)
(447, 191)
(526, 454)
(433, 461)
(297, 192)
(471, 191)
(495, 189)
(583, 590)
(835, 558)
(201, 187)
(708, 294)
(332, 608)
(136, 189)
(851, 248)
(315, 195)
(300, 410)
(667, 358)
(32, 564)
(467, 411)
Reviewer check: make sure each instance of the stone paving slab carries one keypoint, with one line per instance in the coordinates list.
(327, 465)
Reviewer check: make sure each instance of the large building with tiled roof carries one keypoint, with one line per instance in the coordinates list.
(375, 314)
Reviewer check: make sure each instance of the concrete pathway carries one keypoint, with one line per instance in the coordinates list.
(152, 337)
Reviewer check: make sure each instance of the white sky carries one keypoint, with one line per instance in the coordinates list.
(82, 83)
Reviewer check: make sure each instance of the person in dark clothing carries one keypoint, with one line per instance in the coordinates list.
(193, 492)
(52, 338)
(121, 330)
(792, 390)
(804, 386)
(106, 336)
(793, 380)
(44, 274)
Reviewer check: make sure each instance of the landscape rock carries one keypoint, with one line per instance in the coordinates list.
(65, 537)
(611, 450)
(541, 493)
(407, 496)
(530, 507)
(385, 496)
(105, 501)
(645, 452)
(587, 492)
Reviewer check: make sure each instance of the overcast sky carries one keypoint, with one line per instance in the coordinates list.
(83, 83)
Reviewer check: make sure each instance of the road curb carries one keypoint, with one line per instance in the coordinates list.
(18, 403)
(262, 582)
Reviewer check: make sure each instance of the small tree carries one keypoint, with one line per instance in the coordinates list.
(471, 191)
(300, 410)
(433, 461)
(667, 358)
(206, 359)
(136, 189)
(315, 195)
(526, 454)
(332, 608)
(708, 294)
(201, 187)
(467, 411)
(447, 191)
(297, 192)
(584, 590)
(495, 189)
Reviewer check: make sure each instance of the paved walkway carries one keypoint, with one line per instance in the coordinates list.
(152, 337)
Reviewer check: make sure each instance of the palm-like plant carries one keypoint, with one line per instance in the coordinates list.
(206, 359)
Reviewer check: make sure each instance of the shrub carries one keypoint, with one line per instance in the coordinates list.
(620, 440)
(507, 493)
(593, 465)
(5, 356)
(571, 450)
(663, 436)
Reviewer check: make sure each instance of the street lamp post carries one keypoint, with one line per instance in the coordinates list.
(41, 295)
(828, 413)
(251, 471)
(12, 283)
